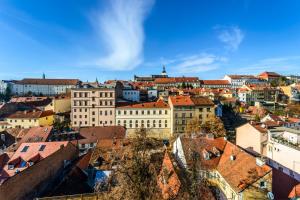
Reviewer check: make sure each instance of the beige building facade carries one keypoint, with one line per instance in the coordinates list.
(155, 117)
(93, 107)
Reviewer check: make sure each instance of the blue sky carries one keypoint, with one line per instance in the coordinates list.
(115, 39)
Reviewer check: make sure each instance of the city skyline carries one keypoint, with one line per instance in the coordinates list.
(117, 39)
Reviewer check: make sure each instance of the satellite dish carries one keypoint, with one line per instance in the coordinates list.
(270, 195)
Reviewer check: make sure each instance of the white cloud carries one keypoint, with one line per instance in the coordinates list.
(231, 36)
(120, 27)
(191, 64)
(284, 65)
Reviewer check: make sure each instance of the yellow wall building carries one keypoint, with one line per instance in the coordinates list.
(28, 119)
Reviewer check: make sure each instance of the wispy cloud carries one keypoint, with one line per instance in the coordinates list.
(120, 27)
(191, 64)
(231, 36)
(284, 64)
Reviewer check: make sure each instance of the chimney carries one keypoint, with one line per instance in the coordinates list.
(3, 137)
(260, 161)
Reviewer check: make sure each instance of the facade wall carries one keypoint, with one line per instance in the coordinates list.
(33, 180)
(156, 120)
(255, 191)
(62, 105)
(46, 121)
(131, 95)
(284, 157)
(20, 89)
(248, 137)
(23, 123)
(93, 107)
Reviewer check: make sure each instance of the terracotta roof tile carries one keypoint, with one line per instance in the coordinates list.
(181, 101)
(36, 81)
(242, 171)
(32, 114)
(202, 101)
(215, 82)
(168, 180)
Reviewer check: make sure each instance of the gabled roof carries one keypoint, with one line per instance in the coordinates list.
(269, 74)
(36, 81)
(242, 77)
(191, 145)
(242, 171)
(176, 80)
(36, 134)
(28, 151)
(202, 101)
(32, 114)
(168, 180)
(93, 134)
(181, 100)
(215, 82)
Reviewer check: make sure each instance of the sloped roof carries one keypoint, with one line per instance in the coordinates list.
(215, 82)
(203, 143)
(176, 80)
(269, 74)
(181, 101)
(202, 101)
(168, 180)
(36, 81)
(242, 76)
(93, 134)
(32, 114)
(243, 170)
(31, 151)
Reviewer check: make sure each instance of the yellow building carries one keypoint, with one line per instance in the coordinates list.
(60, 104)
(186, 108)
(32, 118)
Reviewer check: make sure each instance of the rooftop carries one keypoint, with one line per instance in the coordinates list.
(32, 114)
(36, 81)
(181, 100)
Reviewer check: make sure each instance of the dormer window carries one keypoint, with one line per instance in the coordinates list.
(11, 166)
(216, 151)
(206, 154)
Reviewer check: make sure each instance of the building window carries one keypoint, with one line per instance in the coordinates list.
(160, 112)
(119, 112)
(93, 113)
(148, 112)
(148, 123)
(166, 112)
(263, 184)
(136, 112)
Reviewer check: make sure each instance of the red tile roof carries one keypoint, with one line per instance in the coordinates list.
(93, 134)
(32, 149)
(203, 143)
(168, 180)
(269, 75)
(36, 134)
(32, 114)
(215, 82)
(242, 76)
(202, 101)
(36, 81)
(243, 170)
(176, 80)
(181, 100)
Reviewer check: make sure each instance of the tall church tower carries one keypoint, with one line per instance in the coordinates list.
(164, 72)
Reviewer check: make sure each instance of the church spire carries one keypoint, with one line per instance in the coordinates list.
(44, 76)
(164, 72)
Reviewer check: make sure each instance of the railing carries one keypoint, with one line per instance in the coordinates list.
(283, 141)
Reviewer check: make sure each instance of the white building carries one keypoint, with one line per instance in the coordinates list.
(3, 86)
(238, 81)
(155, 117)
(43, 86)
(283, 150)
(152, 93)
(131, 95)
